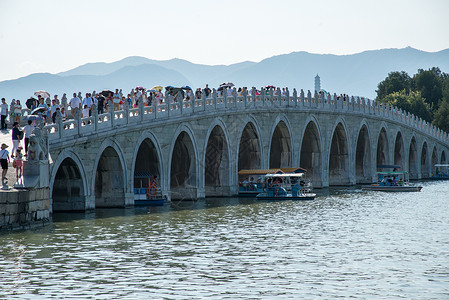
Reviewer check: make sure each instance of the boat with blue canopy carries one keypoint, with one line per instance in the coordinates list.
(251, 182)
(286, 186)
(147, 191)
(441, 172)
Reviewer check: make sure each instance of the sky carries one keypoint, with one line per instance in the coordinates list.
(58, 35)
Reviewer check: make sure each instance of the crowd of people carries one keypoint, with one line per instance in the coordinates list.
(45, 109)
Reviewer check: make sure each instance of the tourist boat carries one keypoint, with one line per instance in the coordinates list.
(147, 192)
(251, 181)
(392, 181)
(441, 172)
(286, 186)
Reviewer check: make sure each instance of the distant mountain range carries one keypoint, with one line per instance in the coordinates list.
(356, 74)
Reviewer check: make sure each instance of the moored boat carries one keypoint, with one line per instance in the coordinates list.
(441, 172)
(251, 181)
(392, 181)
(148, 193)
(287, 186)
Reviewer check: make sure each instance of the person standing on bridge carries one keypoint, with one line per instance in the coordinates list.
(87, 101)
(75, 104)
(116, 100)
(4, 113)
(4, 160)
(207, 91)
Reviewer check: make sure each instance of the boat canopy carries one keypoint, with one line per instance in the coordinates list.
(285, 175)
(142, 174)
(272, 171)
(388, 166)
(392, 173)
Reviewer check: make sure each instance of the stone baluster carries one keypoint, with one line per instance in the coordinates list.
(245, 96)
(94, 110)
(316, 98)
(287, 96)
(295, 97)
(78, 120)
(309, 98)
(270, 93)
(254, 95)
(215, 97)
(234, 94)
(301, 95)
(126, 111)
(262, 95)
(58, 121)
(141, 107)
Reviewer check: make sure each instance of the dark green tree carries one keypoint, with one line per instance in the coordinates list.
(430, 84)
(441, 116)
(412, 102)
(395, 82)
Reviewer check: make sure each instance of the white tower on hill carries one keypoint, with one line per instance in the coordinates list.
(317, 83)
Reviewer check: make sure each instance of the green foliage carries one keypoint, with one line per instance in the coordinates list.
(412, 102)
(441, 116)
(429, 83)
(425, 95)
(395, 82)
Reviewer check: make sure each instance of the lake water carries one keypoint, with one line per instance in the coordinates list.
(346, 243)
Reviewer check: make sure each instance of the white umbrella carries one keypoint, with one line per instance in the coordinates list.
(43, 94)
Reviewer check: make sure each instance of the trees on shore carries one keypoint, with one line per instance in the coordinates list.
(426, 94)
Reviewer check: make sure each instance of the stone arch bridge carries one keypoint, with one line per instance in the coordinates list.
(197, 147)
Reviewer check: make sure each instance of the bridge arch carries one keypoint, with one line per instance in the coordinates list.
(183, 164)
(280, 151)
(413, 159)
(363, 166)
(249, 150)
(399, 150)
(339, 155)
(68, 184)
(424, 160)
(147, 159)
(110, 174)
(382, 156)
(311, 151)
(443, 157)
(434, 161)
(217, 160)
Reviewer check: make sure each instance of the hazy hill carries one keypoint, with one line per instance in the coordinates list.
(356, 74)
(125, 78)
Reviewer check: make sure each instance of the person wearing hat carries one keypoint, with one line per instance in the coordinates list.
(4, 160)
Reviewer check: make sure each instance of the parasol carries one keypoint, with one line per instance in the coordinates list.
(38, 110)
(43, 94)
(106, 93)
(33, 118)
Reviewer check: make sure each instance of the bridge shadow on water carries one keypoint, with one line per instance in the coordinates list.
(173, 206)
(199, 204)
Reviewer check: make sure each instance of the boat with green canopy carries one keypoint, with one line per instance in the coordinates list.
(392, 181)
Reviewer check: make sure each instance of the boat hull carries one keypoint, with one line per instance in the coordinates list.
(392, 188)
(264, 196)
(149, 202)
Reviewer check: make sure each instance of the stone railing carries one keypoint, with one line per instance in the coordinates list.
(268, 99)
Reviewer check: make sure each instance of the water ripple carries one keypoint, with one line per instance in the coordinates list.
(344, 244)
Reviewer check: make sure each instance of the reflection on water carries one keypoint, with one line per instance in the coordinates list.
(346, 243)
